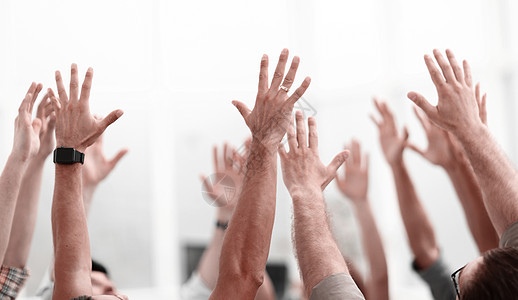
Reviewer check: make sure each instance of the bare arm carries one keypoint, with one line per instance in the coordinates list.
(457, 111)
(470, 195)
(26, 212)
(228, 166)
(377, 282)
(354, 185)
(247, 241)
(419, 229)
(305, 177)
(26, 145)
(445, 151)
(76, 128)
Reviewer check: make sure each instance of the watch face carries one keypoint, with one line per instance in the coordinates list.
(64, 155)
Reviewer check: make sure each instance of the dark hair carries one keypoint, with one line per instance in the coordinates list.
(97, 266)
(82, 298)
(495, 278)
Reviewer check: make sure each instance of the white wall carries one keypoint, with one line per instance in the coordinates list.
(174, 67)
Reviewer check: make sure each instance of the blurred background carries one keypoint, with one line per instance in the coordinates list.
(175, 66)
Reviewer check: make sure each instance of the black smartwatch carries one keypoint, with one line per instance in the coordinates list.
(68, 156)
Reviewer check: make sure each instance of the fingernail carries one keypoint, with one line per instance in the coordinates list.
(119, 113)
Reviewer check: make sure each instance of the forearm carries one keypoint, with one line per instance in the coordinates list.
(208, 268)
(377, 282)
(10, 182)
(418, 227)
(72, 264)
(317, 252)
(25, 215)
(496, 175)
(247, 241)
(470, 195)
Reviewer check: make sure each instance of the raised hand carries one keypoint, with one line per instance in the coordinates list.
(301, 166)
(457, 110)
(75, 126)
(26, 131)
(97, 166)
(45, 113)
(228, 170)
(269, 119)
(440, 150)
(355, 183)
(393, 142)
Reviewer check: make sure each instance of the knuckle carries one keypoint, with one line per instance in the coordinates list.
(277, 74)
(288, 81)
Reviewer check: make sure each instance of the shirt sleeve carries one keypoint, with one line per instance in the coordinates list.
(11, 281)
(510, 236)
(336, 287)
(438, 278)
(195, 289)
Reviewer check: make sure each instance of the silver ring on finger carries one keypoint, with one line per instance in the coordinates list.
(282, 87)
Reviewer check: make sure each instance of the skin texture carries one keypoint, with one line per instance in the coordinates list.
(419, 229)
(76, 128)
(458, 112)
(27, 204)
(95, 169)
(26, 145)
(305, 177)
(444, 150)
(230, 164)
(354, 185)
(247, 241)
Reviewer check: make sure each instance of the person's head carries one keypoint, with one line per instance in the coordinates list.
(491, 276)
(101, 282)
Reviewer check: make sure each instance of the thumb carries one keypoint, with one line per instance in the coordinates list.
(243, 109)
(416, 149)
(421, 101)
(337, 162)
(118, 157)
(109, 119)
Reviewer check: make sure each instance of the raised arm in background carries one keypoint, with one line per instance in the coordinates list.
(25, 146)
(247, 241)
(457, 112)
(354, 185)
(419, 229)
(96, 168)
(443, 150)
(78, 129)
(26, 212)
(228, 169)
(324, 272)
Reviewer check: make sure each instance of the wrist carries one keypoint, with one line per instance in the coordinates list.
(470, 133)
(361, 204)
(359, 201)
(264, 145)
(397, 165)
(297, 192)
